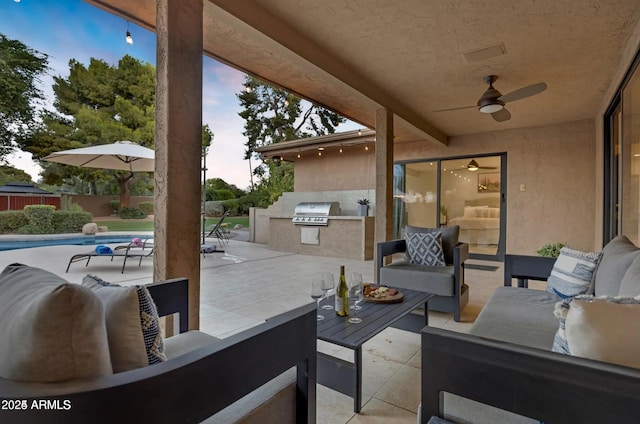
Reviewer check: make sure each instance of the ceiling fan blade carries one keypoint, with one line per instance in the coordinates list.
(456, 108)
(487, 167)
(501, 115)
(524, 92)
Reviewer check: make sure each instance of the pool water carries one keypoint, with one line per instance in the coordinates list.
(80, 240)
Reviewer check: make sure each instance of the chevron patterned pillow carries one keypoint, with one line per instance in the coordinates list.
(425, 249)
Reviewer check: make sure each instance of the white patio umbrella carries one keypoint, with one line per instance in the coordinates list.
(121, 155)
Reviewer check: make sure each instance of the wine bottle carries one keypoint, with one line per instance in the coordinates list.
(342, 295)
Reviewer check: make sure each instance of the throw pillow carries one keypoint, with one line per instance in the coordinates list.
(51, 330)
(425, 249)
(133, 328)
(602, 328)
(617, 256)
(449, 238)
(572, 272)
(630, 284)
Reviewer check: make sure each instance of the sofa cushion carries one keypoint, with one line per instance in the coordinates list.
(519, 315)
(617, 256)
(52, 330)
(603, 328)
(434, 279)
(450, 237)
(132, 324)
(182, 343)
(572, 272)
(425, 249)
(630, 284)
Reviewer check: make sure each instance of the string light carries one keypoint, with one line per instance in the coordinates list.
(128, 38)
(341, 150)
(298, 155)
(248, 89)
(366, 147)
(359, 132)
(319, 153)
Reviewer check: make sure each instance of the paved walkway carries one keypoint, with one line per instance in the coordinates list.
(250, 283)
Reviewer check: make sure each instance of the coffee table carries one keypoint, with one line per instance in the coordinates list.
(345, 376)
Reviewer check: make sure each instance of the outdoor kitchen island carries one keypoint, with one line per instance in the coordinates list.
(342, 236)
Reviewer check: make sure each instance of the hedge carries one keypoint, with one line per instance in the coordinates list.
(12, 221)
(232, 206)
(132, 213)
(39, 219)
(16, 222)
(146, 207)
(70, 222)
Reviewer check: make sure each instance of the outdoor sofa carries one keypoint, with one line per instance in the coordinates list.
(264, 374)
(507, 361)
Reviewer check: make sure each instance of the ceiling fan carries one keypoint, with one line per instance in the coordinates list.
(473, 166)
(493, 102)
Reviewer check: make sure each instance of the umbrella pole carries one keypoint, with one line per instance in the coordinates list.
(204, 190)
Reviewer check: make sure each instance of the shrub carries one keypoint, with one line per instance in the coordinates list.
(114, 205)
(70, 221)
(550, 250)
(69, 205)
(12, 221)
(213, 208)
(232, 206)
(39, 219)
(259, 199)
(223, 194)
(146, 207)
(131, 213)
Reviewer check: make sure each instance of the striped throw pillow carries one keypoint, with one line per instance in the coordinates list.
(572, 272)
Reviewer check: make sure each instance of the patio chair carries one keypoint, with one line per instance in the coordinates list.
(128, 251)
(218, 232)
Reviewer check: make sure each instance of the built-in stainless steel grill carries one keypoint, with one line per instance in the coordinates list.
(315, 213)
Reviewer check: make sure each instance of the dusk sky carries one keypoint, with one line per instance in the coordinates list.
(69, 29)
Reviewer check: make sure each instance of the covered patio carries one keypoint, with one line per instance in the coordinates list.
(400, 69)
(392, 67)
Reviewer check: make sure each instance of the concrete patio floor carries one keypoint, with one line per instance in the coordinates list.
(250, 283)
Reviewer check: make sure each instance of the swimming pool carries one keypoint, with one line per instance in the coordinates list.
(80, 240)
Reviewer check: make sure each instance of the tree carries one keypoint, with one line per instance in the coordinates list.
(97, 104)
(20, 69)
(9, 174)
(100, 104)
(273, 115)
(214, 185)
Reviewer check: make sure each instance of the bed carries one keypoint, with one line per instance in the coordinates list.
(480, 222)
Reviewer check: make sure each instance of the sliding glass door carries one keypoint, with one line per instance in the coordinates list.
(468, 192)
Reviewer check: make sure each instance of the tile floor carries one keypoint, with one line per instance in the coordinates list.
(249, 283)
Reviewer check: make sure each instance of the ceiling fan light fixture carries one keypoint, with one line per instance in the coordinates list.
(473, 166)
(492, 107)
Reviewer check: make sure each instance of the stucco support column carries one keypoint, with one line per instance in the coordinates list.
(178, 146)
(384, 175)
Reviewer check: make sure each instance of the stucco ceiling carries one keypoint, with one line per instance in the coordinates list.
(408, 56)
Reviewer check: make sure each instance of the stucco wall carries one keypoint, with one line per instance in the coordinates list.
(555, 162)
(354, 169)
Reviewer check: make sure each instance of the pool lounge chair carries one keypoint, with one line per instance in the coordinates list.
(218, 232)
(129, 251)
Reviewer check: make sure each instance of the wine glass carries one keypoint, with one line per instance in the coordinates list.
(329, 284)
(317, 292)
(356, 278)
(355, 294)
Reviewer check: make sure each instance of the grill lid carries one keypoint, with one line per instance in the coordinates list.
(315, 213)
